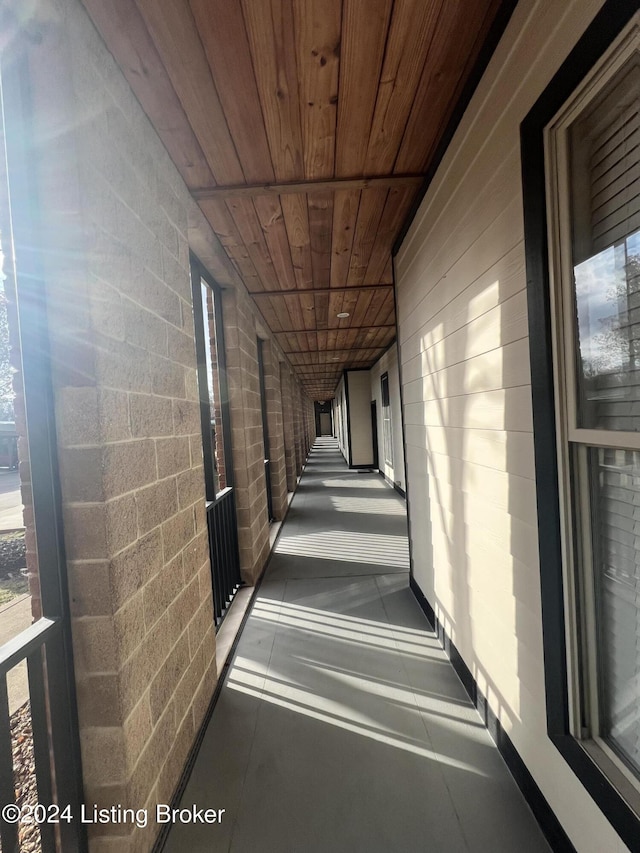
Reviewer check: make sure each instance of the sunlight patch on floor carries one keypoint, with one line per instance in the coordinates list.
(378, 506)
(355, 483)
(326, 710)
(366, 548)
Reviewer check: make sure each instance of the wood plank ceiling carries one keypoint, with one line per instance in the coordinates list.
(302, 128)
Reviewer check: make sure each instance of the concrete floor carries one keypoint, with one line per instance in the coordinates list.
(341, 725)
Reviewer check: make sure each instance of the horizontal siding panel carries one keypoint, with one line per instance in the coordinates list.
(504, 409)
(464, 353)
(456, 302)
(466, 262)
(505, 367)
(498, 327)
(514, 495)
(475, 529)
(501, 451)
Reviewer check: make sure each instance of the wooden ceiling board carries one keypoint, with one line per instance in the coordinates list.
(324, 318)
(296, 220)
(320, 206)
(305, 340)
(370, 212)
(294, 308)
(270, 30)
(272, 318)
(281, 115)
(178, 43)
(397, 206)
(309, 308)
(471, 57)
(335, 304)
(387, 315)
(345, 216)
(455, 47)
(327, 352)
(364, 36)
(224, 37)
(246, 220)
(124, 29)
(222, 223)
(412, 29)
(271, 219)
(361, 308)
(318, 25)
(278, 309)
(356, 303)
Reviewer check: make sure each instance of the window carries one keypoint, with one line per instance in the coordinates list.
(211, 380)
(213, 396)
(387, 434)
(593, 206)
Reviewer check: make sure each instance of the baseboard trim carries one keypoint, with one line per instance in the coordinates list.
(393, 485)
(542, 811)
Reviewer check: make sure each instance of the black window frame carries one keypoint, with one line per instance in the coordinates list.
(598, 37)
(387, 422)
(199, 275)
(46, 645)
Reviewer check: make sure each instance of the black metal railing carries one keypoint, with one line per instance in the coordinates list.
(40, 646)
(223, 550)
(267, 479)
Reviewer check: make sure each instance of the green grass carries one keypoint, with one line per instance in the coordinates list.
(11, 588)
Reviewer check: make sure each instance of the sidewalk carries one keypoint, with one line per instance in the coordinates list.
(342, 727)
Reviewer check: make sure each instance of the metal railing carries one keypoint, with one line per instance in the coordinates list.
(223, 550)
(41, 646)
(267, 478)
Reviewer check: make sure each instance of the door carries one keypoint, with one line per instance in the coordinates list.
(374, 434)
(265, 429)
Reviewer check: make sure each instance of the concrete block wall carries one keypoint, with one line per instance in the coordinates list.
(117, 224)
(289, 429)
(116, 261)
(275, 421)
(246, 432)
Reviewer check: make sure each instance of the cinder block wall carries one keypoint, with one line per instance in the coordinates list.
(275, 420)
(288, 423)
(118, 223)
(246, 433)
(116, 260)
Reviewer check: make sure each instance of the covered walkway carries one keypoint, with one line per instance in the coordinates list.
(341, 725)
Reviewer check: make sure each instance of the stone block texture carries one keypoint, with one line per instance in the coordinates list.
(246, 433)
(116, 260)
(286, 380)
(117, 224)
(275, 421)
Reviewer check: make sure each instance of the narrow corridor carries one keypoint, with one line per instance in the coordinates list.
(341, 725)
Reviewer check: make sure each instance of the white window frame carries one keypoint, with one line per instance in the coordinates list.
(578, 581)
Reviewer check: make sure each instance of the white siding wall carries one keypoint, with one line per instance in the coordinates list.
(389, 364)
(359, 400)
(465, 365)
(340, 419)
